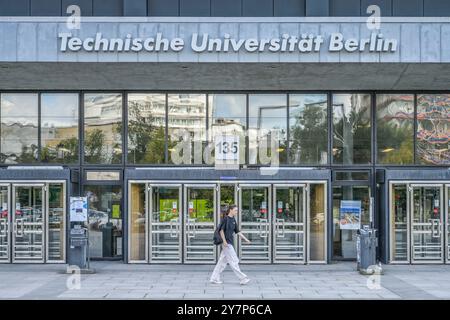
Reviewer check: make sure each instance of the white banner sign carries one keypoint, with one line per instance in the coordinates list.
(78, 209)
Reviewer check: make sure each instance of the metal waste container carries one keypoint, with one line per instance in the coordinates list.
(366, 246)
(79, 242)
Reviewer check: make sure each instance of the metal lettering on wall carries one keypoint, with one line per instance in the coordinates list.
(203, 43)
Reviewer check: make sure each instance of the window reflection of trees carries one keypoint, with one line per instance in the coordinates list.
(146, 128)
(352, 128)
(308, 129)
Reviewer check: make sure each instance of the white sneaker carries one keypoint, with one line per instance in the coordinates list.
(245, 281)
(215, 281)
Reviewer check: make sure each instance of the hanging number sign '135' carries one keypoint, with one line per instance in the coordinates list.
(227, 148)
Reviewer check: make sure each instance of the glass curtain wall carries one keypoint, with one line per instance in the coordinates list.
(137, 222)
(433, 129)
(146, 128)
(227, 117)
(19, 128)
(352, 128)
(308, 125)
(395, 128)
(59, 127)
(267, 132)
(187, 129)
(103, 128)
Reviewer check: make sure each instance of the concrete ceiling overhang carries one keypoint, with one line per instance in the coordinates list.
(223, 76)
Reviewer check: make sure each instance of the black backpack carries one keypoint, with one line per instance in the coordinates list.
(217, 239)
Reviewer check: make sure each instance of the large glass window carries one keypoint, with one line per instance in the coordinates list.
(352, 128)
(19, 128)
(146, 128)
(308, 129)
(267, 128)
(227, 117)
(59, 127)
(433, 128)
(187, 128)
(395, 128)
(103, 128)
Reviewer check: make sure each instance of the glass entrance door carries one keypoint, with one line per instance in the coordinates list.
(255, 221)
(4, 224)
(427, 223)
(289, 223)
(28, 223)
(165, 223)
(200, 220)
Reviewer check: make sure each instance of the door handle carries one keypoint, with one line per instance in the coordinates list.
(191, 228)
(4, 229)
(263, 228)
(19, 225)
(278, 223)
(173, 232)
(436, 228)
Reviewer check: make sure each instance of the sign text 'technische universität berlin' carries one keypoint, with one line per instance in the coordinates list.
(200, 43)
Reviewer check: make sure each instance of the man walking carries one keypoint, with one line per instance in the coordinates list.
(228, 255)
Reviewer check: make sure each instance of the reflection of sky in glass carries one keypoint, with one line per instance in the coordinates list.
(59, 110)
(19, 108)
(267, 111)
(298, 102)
(349, 103)
(228, 106)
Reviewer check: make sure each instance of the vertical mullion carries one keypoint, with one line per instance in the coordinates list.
(415, 130)
(124, 129)
(166, 131)
(247, 124)
(207, 126)
(288, 142)
(330, 128)
(81, 129)
(39, 128)
(373, 131)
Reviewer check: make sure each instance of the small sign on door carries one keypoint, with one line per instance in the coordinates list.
(174, 207)
(280, 206)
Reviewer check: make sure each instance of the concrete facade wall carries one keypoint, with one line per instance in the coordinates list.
(420, 40)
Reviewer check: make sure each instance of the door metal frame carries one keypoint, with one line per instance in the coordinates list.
(274, 222)
(19, 184)
(408, 225)
(8, 225)
(447, 224)
(269, 222)
(149, 194)
(64, 219)
(326, 223)
(186, 215)
(129, 204)
(411, 187)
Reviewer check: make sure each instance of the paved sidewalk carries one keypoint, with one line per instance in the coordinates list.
(115, 280)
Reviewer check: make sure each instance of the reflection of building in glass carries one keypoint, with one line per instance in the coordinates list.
(433, 129)
(103, 119)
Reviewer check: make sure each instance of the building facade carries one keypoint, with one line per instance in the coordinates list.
(312, 117)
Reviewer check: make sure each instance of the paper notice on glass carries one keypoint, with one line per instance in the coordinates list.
(78, 209)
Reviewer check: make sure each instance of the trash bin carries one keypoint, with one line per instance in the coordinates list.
(79, 247)
(366, 246)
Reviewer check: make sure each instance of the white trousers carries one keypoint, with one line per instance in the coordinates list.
(227, 256)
